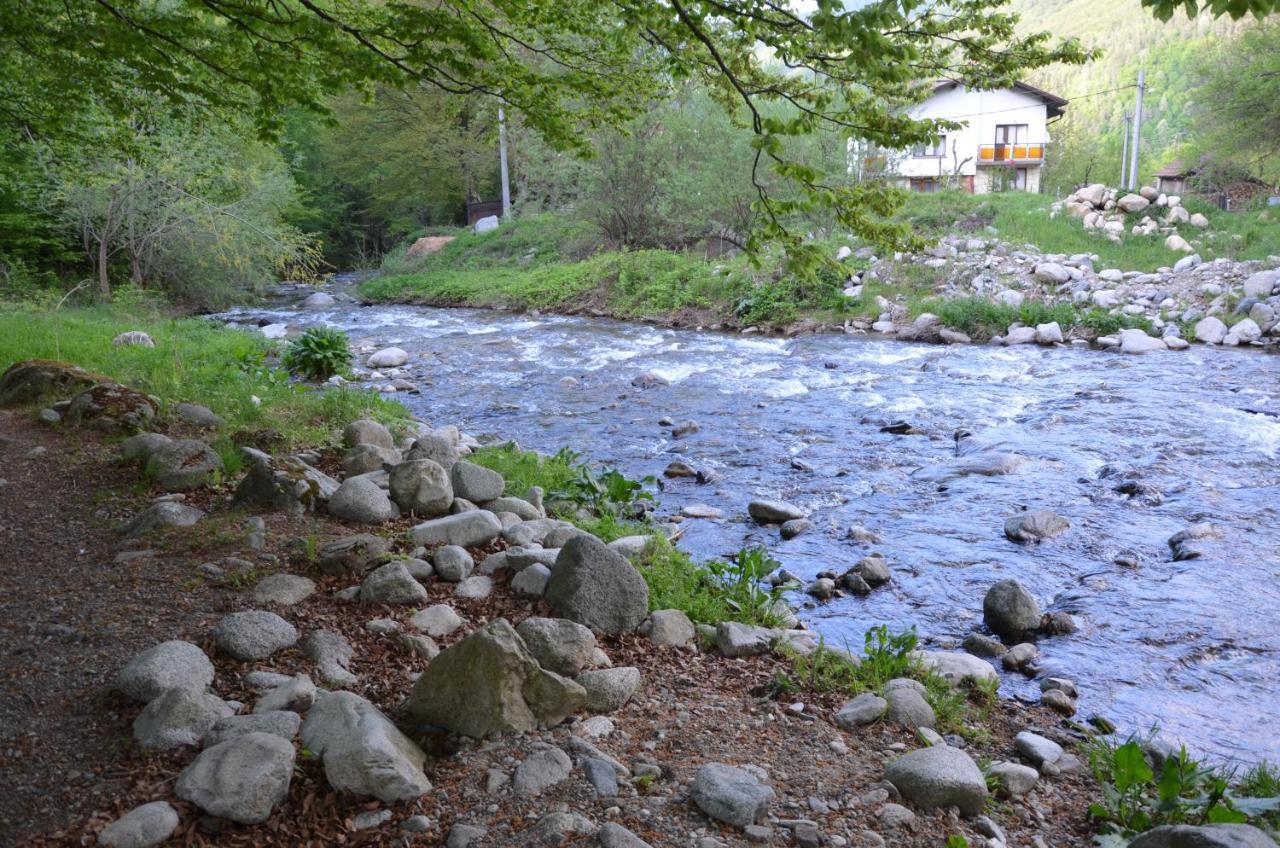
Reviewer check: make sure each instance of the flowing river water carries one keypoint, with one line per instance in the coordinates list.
(1191, 646)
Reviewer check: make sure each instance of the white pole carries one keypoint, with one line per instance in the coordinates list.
(1137, 130)
(502, 156)
(1124, 154)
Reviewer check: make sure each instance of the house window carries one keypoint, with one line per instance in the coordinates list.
(926, 186)
(1007, 137)
(932, 149)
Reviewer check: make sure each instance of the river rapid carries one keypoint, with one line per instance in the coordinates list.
(1191, 646)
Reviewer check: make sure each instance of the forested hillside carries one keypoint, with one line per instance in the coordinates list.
(1172, 54)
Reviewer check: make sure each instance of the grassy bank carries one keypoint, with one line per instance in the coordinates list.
(551, 263)
(196, 361)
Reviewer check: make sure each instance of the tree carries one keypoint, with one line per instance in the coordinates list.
(1239, 101)
(570, 67)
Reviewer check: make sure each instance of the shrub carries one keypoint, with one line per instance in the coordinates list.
(319, 353)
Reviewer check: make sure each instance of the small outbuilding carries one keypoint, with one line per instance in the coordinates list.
(1172, 179)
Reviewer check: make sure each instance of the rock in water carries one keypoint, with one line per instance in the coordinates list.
(141, 827)
(242, 779)
(1035, 526)
(1207, 836)
(388, 357)
(730, 794)
(939, 776)
(1010, 610)
(489, 683)
(169, 665)
(597, 586)
(774, 512)
(363, 752)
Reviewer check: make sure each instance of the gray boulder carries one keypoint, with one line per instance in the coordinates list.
(614, 835)
(253, 635)
(363, 459)
(598, 587)
(169, 665)
(1210, 330)
(489, 683)
(453, 563)
(295, 695)
(862, 710)
(774, 512)
(437, 448)
(241, 779)
(392, 584)
(670, 627)
(474, 588)
(730, 794)
(734, 639)
(908, 708)
(367, 432)
(363, 752)
(557, 644)
(439, 620)
(609, 689)
(475, 482)
(1206, 836)
(532, 580)
(939, 776)
(1037, 750)
(288, 484)
(421, 487)
(183, 464)
(141, 827)
(201, 416)
(140, 447)
(352, 554)
(1051, 273)
(282, 589)
(540, 771)
(472, 529)
(1035, 526)
(282, 723)
(1261, 284)
(388, 357)
(178, 717)
(362, 500)
(162, 514)
(332, 653)
(1014, 779)
(1010, 610)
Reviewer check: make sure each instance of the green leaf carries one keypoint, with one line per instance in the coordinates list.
(1131, 769)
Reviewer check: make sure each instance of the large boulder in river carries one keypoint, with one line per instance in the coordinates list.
(595, 585)
(1035, 526)
(1010, 610)
(32, 379)
(363, 752)
(241, 779)
(388, 357)
(489, 683)
(939, 776)
(774, 512)
(1205, 836)
(421, 487)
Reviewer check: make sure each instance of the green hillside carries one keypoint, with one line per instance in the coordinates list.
(1131, 38)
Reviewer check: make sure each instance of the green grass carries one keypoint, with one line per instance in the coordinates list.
(1020, 218)
(194, 361)
(981, 318)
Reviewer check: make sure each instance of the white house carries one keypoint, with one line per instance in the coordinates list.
(1000, 147)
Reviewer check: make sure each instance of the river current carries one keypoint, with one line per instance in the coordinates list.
(1191, 646)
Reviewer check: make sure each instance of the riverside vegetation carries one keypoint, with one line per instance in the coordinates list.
(710, 619)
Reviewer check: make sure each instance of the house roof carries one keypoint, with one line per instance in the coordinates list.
(1173, 169)
(1056, 105)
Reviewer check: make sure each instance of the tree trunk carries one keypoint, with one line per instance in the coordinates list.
(104, 282)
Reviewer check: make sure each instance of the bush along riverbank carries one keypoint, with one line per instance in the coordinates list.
(972, 284)
(396, 635)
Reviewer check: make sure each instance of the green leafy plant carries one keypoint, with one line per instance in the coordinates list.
(956, 840)
(887, 655)
(1186, 791)
(740, 575)
(608, 493)
(319, 353)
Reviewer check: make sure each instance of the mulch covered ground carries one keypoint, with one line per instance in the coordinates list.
(70, 618)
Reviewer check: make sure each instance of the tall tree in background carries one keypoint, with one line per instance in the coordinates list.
(1239, 102)
(570, 67)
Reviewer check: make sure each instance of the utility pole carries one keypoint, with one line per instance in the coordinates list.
(1137, 130)
(1124, 153)
(502, 157)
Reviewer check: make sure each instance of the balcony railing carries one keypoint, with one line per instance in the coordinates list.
(1010, 154)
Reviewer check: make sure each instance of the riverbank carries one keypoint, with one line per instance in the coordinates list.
(975, 282)
(769, 711)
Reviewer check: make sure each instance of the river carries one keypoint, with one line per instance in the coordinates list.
(1192, 646)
